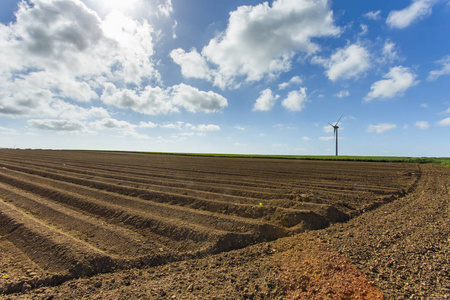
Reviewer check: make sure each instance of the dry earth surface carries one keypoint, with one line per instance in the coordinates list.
(105, 225)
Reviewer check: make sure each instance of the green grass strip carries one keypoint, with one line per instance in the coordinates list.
(403, 159)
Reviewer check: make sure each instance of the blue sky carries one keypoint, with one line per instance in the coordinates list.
(227, 76)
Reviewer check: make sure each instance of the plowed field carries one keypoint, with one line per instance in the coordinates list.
(70, 214)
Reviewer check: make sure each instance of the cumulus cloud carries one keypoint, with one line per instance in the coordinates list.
(261, 40)
(422, 124)
(418, 9)
(296, 100)
(165, 8)
(192, 64)
(389, 51)
(18, 99)
(444, 122)
(293, 80)
(346, 63)
(266, 101)
(373, 15)
(68, 37)
(326, 138)
(204, 127)
(445, 69)
(380, 128)
(151, 100)
(129, 60)
(194, 100)
(147, 125)
(24, 98)
(155, 100)
(110, 123)
(60, 50)
(120, 126)
(58, 125)
(364, 29)
(342, 94)
(397, 81)
(180, 125)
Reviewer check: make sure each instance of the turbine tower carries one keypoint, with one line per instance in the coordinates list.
(336, 127)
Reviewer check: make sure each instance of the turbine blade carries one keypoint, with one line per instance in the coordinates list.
(330, 124)
(338, 120)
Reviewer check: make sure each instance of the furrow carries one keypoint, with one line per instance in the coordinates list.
(52, 250)
(143, 170)
(175, 222)
(198, 210)
(218, 192)
(107, 237)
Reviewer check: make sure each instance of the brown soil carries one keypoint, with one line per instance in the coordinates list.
(79, 224)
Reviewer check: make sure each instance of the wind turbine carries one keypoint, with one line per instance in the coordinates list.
(336, 127)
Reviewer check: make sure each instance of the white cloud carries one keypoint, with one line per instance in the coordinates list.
(177, 125)
(155, 100)
(445, 70)
(305, 138)
(346, 63)
(424, 105)
(293, 80)
(192, 64)
(110, 123)
(418, 9)
(194, 100)
(328, 129)
(422, 124)
(174, 26)
(58, 125)
(68, 37)
(209, 127)
(69, 111)
(166, 8)
(373, 15)
(296, 100)
(380, 128)
(60, 50)
(326, 138)
(284, 126)
(397, 81)
(238, 127)
(389, 51)
(147, 125)
(151, 101)
(28, 98)
(342, 94)
(182, 126)
(187, 134)
(123, 127)
(444, 122)
(266, 101)
(19, 99)
(364, 29)
(261, 40)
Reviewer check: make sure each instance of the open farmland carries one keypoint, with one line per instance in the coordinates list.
(68, 214)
